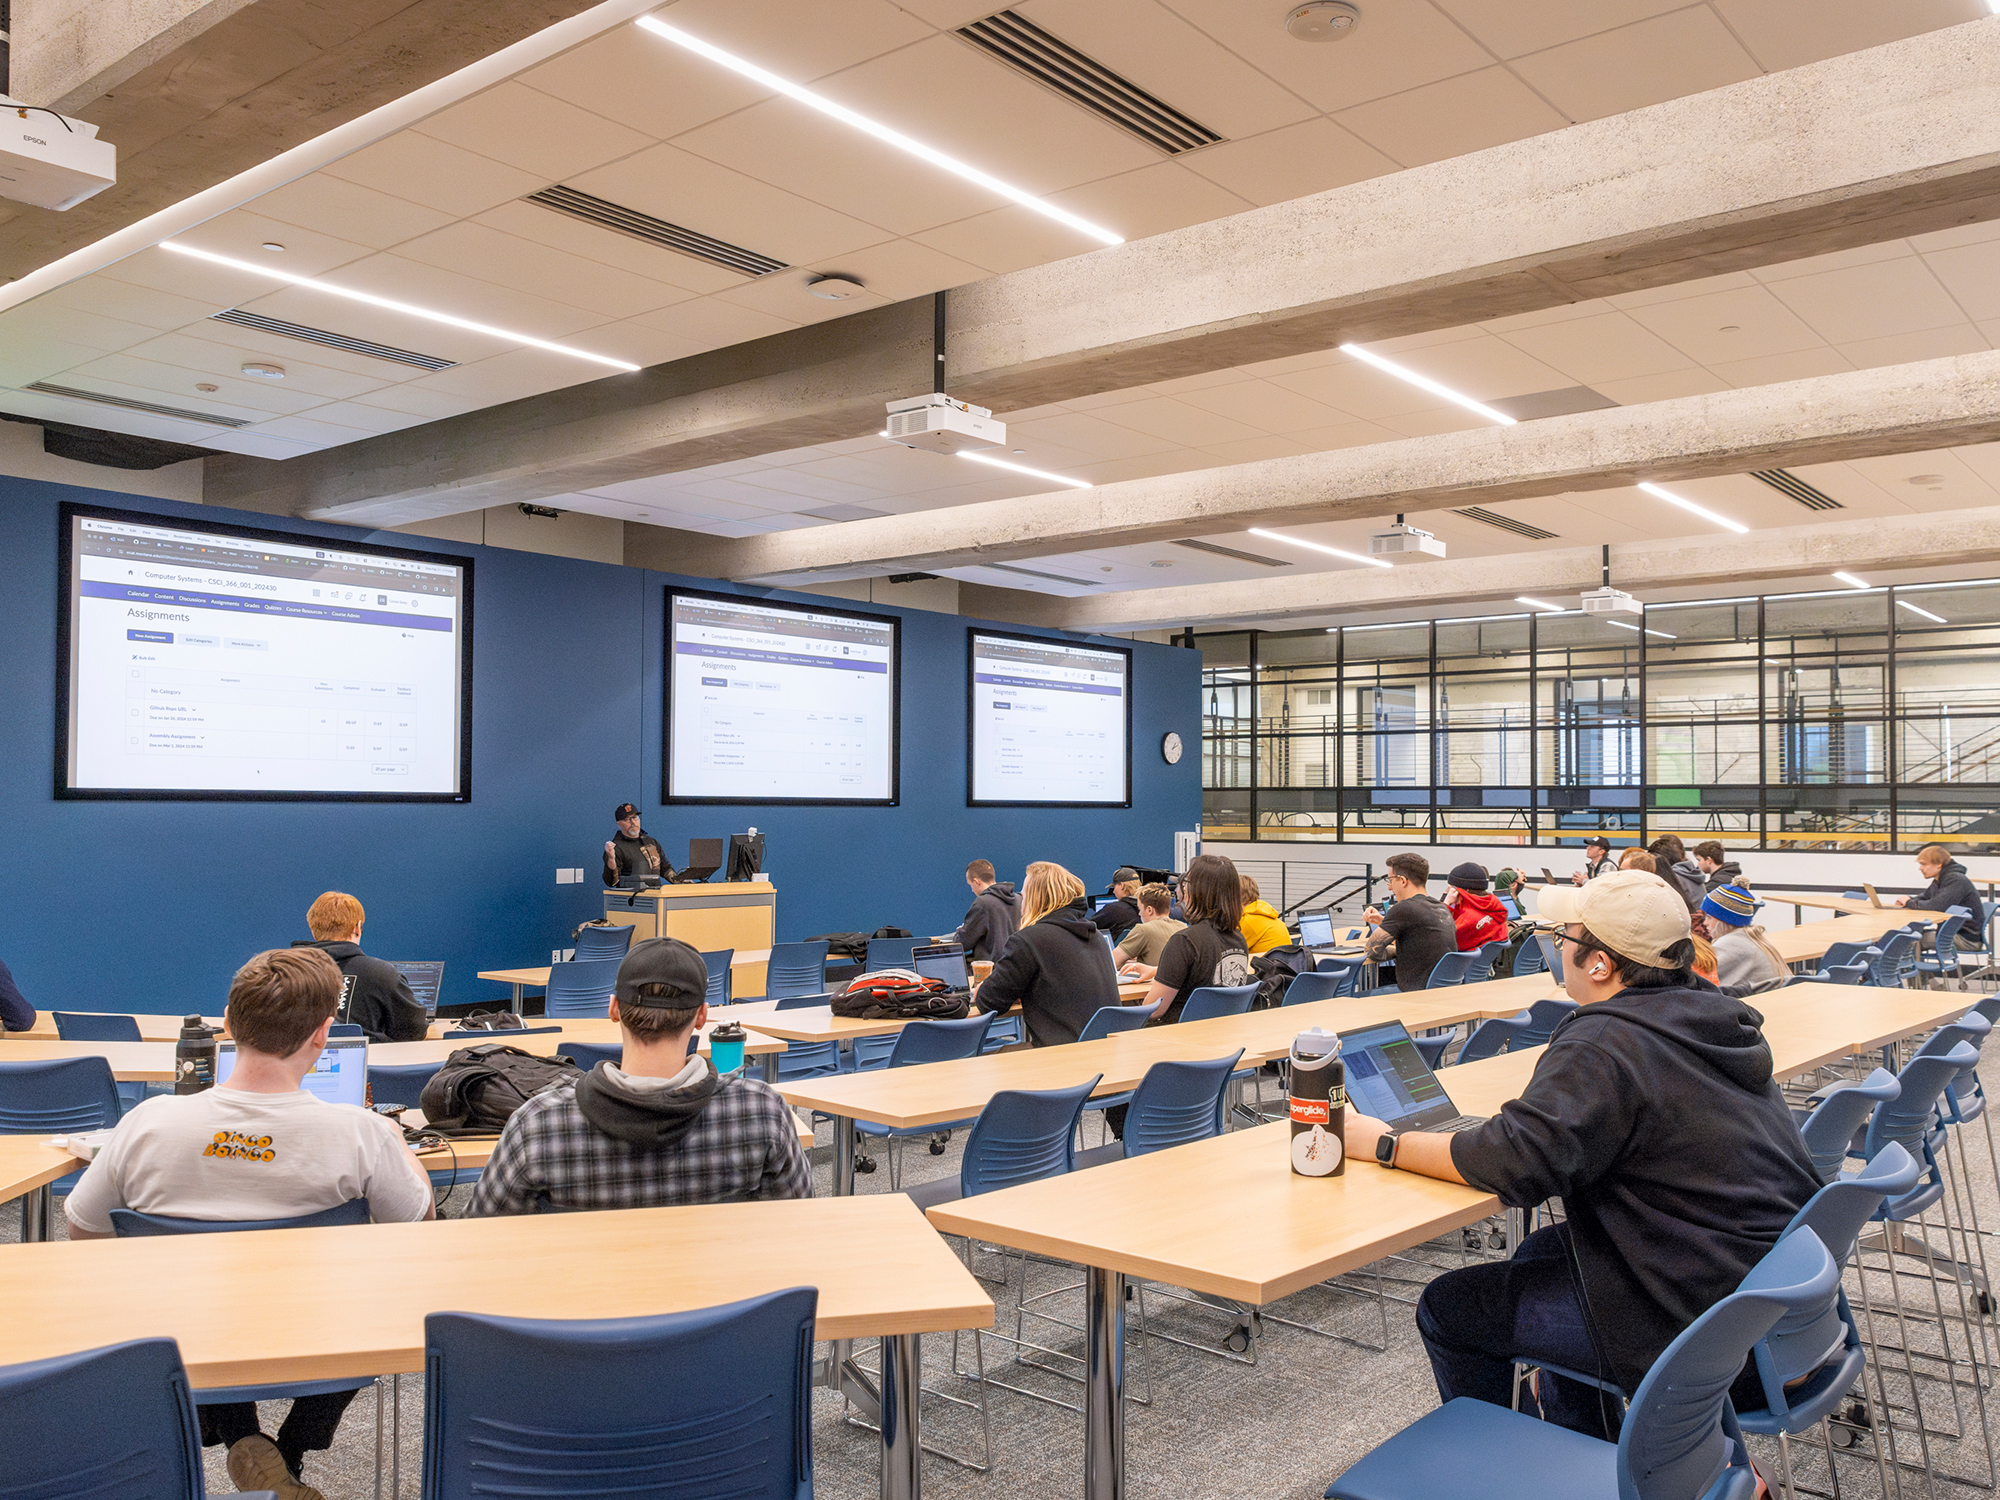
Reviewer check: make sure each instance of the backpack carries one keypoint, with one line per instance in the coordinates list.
(478, 1089)
(852, 945)
(1275, 970)
(897, 994)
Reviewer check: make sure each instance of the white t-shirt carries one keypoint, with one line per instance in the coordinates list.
(229, 1154)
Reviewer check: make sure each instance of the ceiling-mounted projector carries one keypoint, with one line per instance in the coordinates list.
(49, 160)
(1406, 542)
(1610, 601)
(938, 424)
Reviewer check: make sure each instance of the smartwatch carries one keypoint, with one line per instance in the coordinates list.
(1385, 1149)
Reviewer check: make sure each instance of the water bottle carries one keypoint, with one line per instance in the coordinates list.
(194, 1057)
(725, 1047)
(1318, 1105)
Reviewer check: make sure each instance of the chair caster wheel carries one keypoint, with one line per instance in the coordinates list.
(937, 1148)
(864, 1163)
(1238, 1341)
(1986, 1304)
(1496, 1241)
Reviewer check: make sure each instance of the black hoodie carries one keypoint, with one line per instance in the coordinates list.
(1729, 872)
(1059, 969)
(989, 921)
(1953, 887)
(375, 997)
(1654, 1117)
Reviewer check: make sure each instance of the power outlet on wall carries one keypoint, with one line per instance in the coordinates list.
(569, 877)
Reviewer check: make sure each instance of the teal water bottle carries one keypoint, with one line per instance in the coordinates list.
(725, 1047)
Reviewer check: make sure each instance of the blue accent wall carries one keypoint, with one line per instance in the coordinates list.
(151, 906)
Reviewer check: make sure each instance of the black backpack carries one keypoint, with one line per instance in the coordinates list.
(1275, 971)
(478, 1089)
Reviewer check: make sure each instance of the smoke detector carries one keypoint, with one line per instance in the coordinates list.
(260, 371)
(833, 288)
(1323, 21)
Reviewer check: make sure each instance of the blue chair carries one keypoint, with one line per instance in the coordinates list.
(1321, 984)
(1175, 1103)
(580, 988)
(1551, 945)
(345, 1028)
(1529, 959)
(711, 1402)
(1450, 970)
(1544, 1016)
(719, 982)
(922, 1042)
(99, 1026)
(1007, 1032)
(1104, 1022)
(105, 1423)
(587, 1055)
(74, 1095)
(891, 953)
(1944, 944)
(795, 969)
(1830, 1130)
(1843, 974)
(802, 1002)
(806, 1059)
(1350, 965)
(1212, 1000)
(594, 941)
(1021, 1136)
(400, 1083)
(1491, 1038)
(1678, 1441)
(1896, 961)
(1483, 962)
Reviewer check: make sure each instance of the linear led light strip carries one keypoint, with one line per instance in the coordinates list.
(1001, 463)
(875, 128)
(429, 315)
(1297, 541)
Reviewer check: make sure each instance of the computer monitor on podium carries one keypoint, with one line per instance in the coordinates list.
(746, 856)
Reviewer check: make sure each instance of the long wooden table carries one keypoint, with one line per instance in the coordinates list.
(880, 1269)
(520, 979)
(818, 1023)
(1227, 1216)
(1810, 940)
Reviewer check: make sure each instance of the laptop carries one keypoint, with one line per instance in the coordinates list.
(1100, 902)
(425, 978)
(1316, 929)
(704, 859)
(1388, 1078)
(338, 1076)
(1873, 899)
(944, 962)
(1549, 875)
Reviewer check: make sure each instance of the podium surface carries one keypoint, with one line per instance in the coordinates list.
(706, 915)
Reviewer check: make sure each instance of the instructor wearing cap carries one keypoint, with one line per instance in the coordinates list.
(632, 850)
(1653, 1115)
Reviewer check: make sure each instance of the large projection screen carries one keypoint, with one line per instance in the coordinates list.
(779, 702)
(200, 660)
(1049, 724)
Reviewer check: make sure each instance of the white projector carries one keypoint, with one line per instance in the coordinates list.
(1610, 601)
(1404, 541)
(938, 424)
(49, 160)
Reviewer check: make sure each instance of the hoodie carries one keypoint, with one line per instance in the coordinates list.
(1953, 887)
(1059, 969)
(1480, 919)
(1653, 1115)
(374, 996)
(1262, 928)
(1729, 872)
(651, 1113)
(989, 921)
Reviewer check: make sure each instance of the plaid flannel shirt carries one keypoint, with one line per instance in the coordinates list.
(744, 1145)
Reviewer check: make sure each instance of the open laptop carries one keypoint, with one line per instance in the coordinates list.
(339, 1075)
(425, 978)
(1873, 900)
(704, 859)
(1388, 1078)
(1316, 929)
(1549, 875)
(944, 962)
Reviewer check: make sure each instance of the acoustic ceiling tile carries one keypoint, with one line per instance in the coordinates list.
(548, 137)
(1665, 57)
(1452, 117)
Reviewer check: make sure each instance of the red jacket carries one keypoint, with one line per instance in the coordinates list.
(1480, 918)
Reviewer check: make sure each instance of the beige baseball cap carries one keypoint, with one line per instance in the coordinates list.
(1634, 912)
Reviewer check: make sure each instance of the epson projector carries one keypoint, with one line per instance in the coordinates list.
(49, 160)
(938, 424)
(1404, 541)
(1610, 601)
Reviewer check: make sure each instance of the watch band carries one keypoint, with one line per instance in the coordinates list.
(1385, 1149)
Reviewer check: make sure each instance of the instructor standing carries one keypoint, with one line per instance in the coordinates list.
(632, 850)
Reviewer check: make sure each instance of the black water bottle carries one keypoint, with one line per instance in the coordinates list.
(1318, 1099)
(194, 1057)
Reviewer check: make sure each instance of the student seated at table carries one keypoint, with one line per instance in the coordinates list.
(16, 1014)
(1120, 914)
(657, 1128)
(1210, 950)
(1745, 960)
(1653, 1115)
(1138, 952)
(258, 1147)
(1596, 859)
(374, 995)
(1419, 930)
(1263, 929)
(989, 921)
(1716, 867)
(1638, 859)
(1056, 965)
(1949, 886)
(1477, 915)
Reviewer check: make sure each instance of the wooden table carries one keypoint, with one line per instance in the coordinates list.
(1810, 940)
(520, 979)
(153, 1027)
(818, 1023)
(1820, 899)
(880, 1269)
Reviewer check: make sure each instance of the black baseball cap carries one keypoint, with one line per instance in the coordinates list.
(668, 963)
(1124, 874)
(1597, 841)
(625, 810)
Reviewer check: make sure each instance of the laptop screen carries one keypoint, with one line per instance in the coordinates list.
(340, 1076)
(944, 962)
(1316, 928)
(425, 978)
(1388, 1078)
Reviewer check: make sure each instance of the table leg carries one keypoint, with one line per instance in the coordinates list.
(843, 1156)
(1104, 1391)
(37, 1208)
(902, 1443)
(769, 1063)
(520, 991)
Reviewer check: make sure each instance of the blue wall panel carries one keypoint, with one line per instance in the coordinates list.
(152, 905)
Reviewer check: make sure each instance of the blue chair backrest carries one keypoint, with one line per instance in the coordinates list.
(1944, 938)
(587, 1055)
(1549, 943)
(1971, 1028)
(795, 969)
(1107, 1019)
(1906, 1119)
(102, 1424)
(940, 1041)
(1829, 1129)
(1450, 970)
(1512, 907)
(1674, 1444)
(400, 1083)
(1838, 1212)
(1177, 1102)
(1842, 953)
(802, 1002)
(345, 1028)
(1022, 1136)
(1489, 962)
(1321, 985)
(891, 953)
(54, 1098)
(1350, 967)
(581, 987)
(603, 942)
(129, 1224)
(1544, 1016)
(1897, 959)
(1843, 974)
(95, 1026)
(717, 964)
(710, 1402)
(1529, 958)
(1490, 1038)
(1212, 1000)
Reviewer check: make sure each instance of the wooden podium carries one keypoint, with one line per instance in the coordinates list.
(742, 915)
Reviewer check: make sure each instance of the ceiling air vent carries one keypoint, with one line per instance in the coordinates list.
(206, 418)
(1080, 78)
(1081, 583)
(1505, 523)
(602, 211)
(1249, 557)
(1797, 488)
(332, 340)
